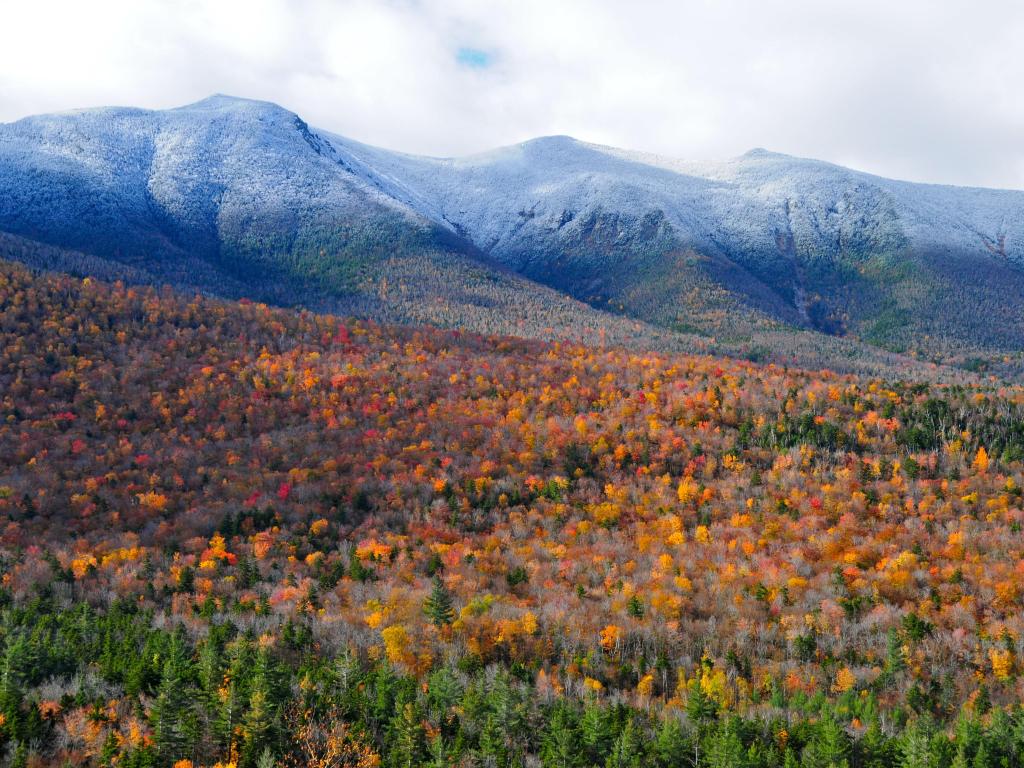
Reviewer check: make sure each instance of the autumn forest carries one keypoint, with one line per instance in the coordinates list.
(234, 535)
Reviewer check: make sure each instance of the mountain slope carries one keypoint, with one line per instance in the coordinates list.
(765, 255)
(806, 242)
(236, 185)
(242, 198)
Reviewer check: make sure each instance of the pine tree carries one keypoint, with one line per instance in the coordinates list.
(356, 570)
(874, 750)
(408, 742)
(266, 759)
(168, 715)
(493, 744)
(346, 675)
(635, 607)
(561, 746)
(211, 673)
(441, 753)
(725, 746)
(233, 693)
(627, 750)
(829, 746)
(259, 724)
(10, 691)
(439, 606)
(670, 746)
(170, 712)
(984, 758)
(444, 690)
(915, 747)
(506, 702)
(596, 731)
(109, 751)
(893, 655)
(699, 706)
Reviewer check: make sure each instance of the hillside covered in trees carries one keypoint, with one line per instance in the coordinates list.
(243, 536)
(766, 256)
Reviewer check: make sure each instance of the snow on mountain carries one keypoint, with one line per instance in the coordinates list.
(740, 204)
(223, 169)
(224, 156)
(248, 190)
(545, 181)
(805, 241)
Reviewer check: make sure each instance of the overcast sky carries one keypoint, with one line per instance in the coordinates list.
(929, 90)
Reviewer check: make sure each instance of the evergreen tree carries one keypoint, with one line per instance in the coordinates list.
(829, 747)
(968, 736)
(110, 750)
(670, 746)
(915, 747)
(259, 724)
(407, 739)
(170, 712)
(493, 744)
(699, 706)
(441, 753)
(984, 757)
(725, 746)
(444, 691)
(356, 570)
(14, 664)
(635, 607)
(266, 759)
(439, 605)
(346, 674)
(561, 746)
(627, 750)
(510, 709)
(596, 731)
(211, 677)
(894, 661)
(874, 750)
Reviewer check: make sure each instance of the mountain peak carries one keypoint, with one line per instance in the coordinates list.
(557, 143)
(224, 101)
(229, 180)
(558, 138)
(762, 153)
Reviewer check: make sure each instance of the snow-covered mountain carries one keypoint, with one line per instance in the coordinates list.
(805, 241)
(231, 183)
(244, 197)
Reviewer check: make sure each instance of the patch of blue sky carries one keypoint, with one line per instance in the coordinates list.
(473, 58)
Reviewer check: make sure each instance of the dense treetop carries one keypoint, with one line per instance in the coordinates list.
(225, 528)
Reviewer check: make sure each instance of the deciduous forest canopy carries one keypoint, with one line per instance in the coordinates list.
(240, 535)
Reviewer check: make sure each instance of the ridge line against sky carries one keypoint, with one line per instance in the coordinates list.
(918, 90)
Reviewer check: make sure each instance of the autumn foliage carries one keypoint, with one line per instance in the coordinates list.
(673, 532)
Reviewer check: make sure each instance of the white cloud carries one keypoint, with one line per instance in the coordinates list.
(914, 89)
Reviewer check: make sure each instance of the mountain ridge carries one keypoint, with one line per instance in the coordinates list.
(243, 191)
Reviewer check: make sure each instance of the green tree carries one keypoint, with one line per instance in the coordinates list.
(699, 706)
(829, 747)
(915, 748)
(671, 746)
(170, 713)
(627, 749)
(596, 731)
(260, 722)
(408, 742)
(561, 746)
(439, 606)
(874, 749)
(725, 746)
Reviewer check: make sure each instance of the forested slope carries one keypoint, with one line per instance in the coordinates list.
(245, 535)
